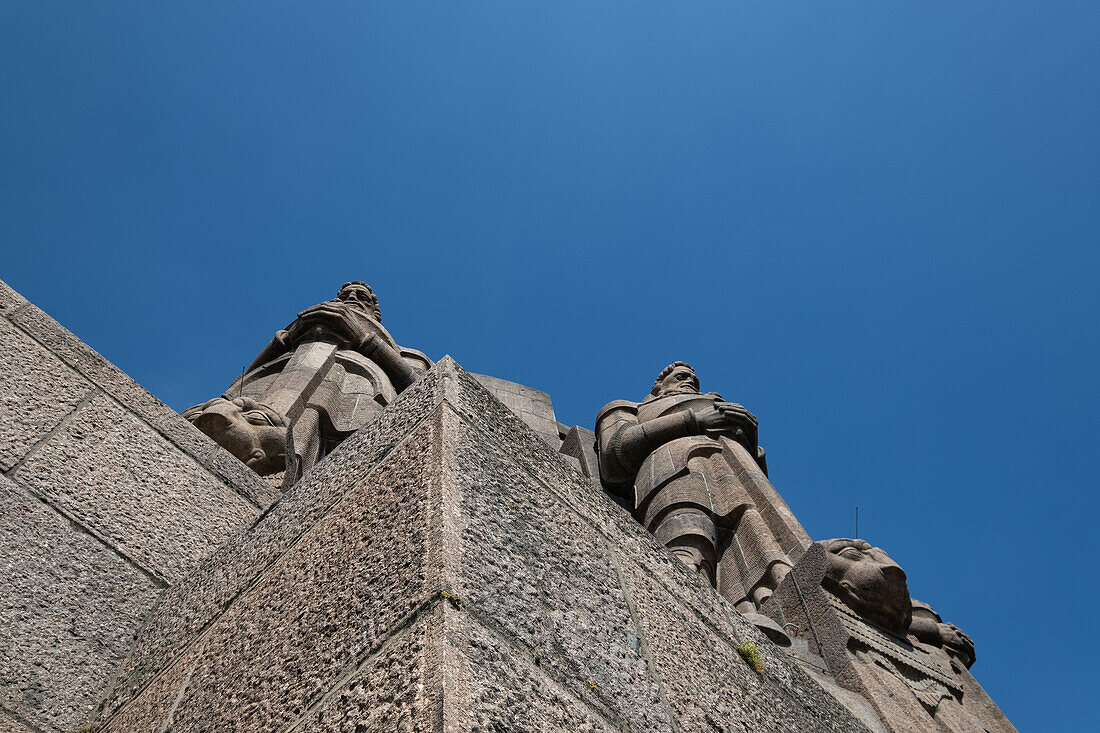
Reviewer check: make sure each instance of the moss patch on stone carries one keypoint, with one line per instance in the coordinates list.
(751, 654)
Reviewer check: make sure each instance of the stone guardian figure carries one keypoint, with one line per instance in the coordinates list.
(690, 466)
(324, 376)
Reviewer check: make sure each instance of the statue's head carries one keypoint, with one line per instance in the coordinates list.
(356, 293)
(868, 582)
(676, 378)
(250, 430)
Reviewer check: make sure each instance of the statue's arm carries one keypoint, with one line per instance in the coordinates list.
(399, 371)
(624, 443)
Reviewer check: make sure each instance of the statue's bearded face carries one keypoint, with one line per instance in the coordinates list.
(360, 294)
(681, 380)
(869, 582)
(251, 431)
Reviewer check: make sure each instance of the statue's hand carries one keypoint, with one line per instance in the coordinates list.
(711, 418)
(741, 422)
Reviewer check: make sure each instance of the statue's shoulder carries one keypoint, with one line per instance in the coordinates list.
(621, 407)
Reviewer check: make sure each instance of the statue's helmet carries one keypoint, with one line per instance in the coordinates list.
(868, 582)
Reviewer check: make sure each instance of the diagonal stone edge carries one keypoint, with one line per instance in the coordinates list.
(611, 522)
(285, 523)
(93, 366)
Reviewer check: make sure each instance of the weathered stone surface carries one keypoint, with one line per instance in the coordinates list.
(535, 571)
(328, 601)
(163, 419)
(118, 478)
(497, 687)
(10, 300)
(709, 686)
(10, 724)
(529, 405)
(394, 689)
(67, 613)
(36, 392)
(188, 608)
(422, 579)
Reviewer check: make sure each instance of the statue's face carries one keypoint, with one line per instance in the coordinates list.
(869, 582)
(252, 432)
(361, 294)
(680, 380)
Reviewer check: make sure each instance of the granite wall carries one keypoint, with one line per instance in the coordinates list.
(107, 499)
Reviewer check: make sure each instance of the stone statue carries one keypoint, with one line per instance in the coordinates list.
(324, 376)
(868, 582)
(929, 628)
(848, 605)
(690, 466)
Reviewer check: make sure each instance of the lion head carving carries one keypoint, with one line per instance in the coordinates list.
(868, 582)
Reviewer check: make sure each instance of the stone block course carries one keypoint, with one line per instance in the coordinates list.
(67, 613)
(37, 391)
(188, 608)
(496, 688)
(114, 475)
(392, 690)
(535, 571)
(99, 371)
(329, 600)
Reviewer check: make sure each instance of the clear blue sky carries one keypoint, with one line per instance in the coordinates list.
(873, 223)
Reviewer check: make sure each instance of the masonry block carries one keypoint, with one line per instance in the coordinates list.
(67, 612)
(36, 392)
(117, 477)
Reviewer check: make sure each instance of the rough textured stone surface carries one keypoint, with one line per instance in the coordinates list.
(10, 300)
(112, 495)
(529, 405)
(117, 477)
(137, 400)
(10, 724)
(425, 576)
(330, 599)
(67, 611)
(544, 578)
(188, 608)
(394, 689)
(36, 392)
(498, 688)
